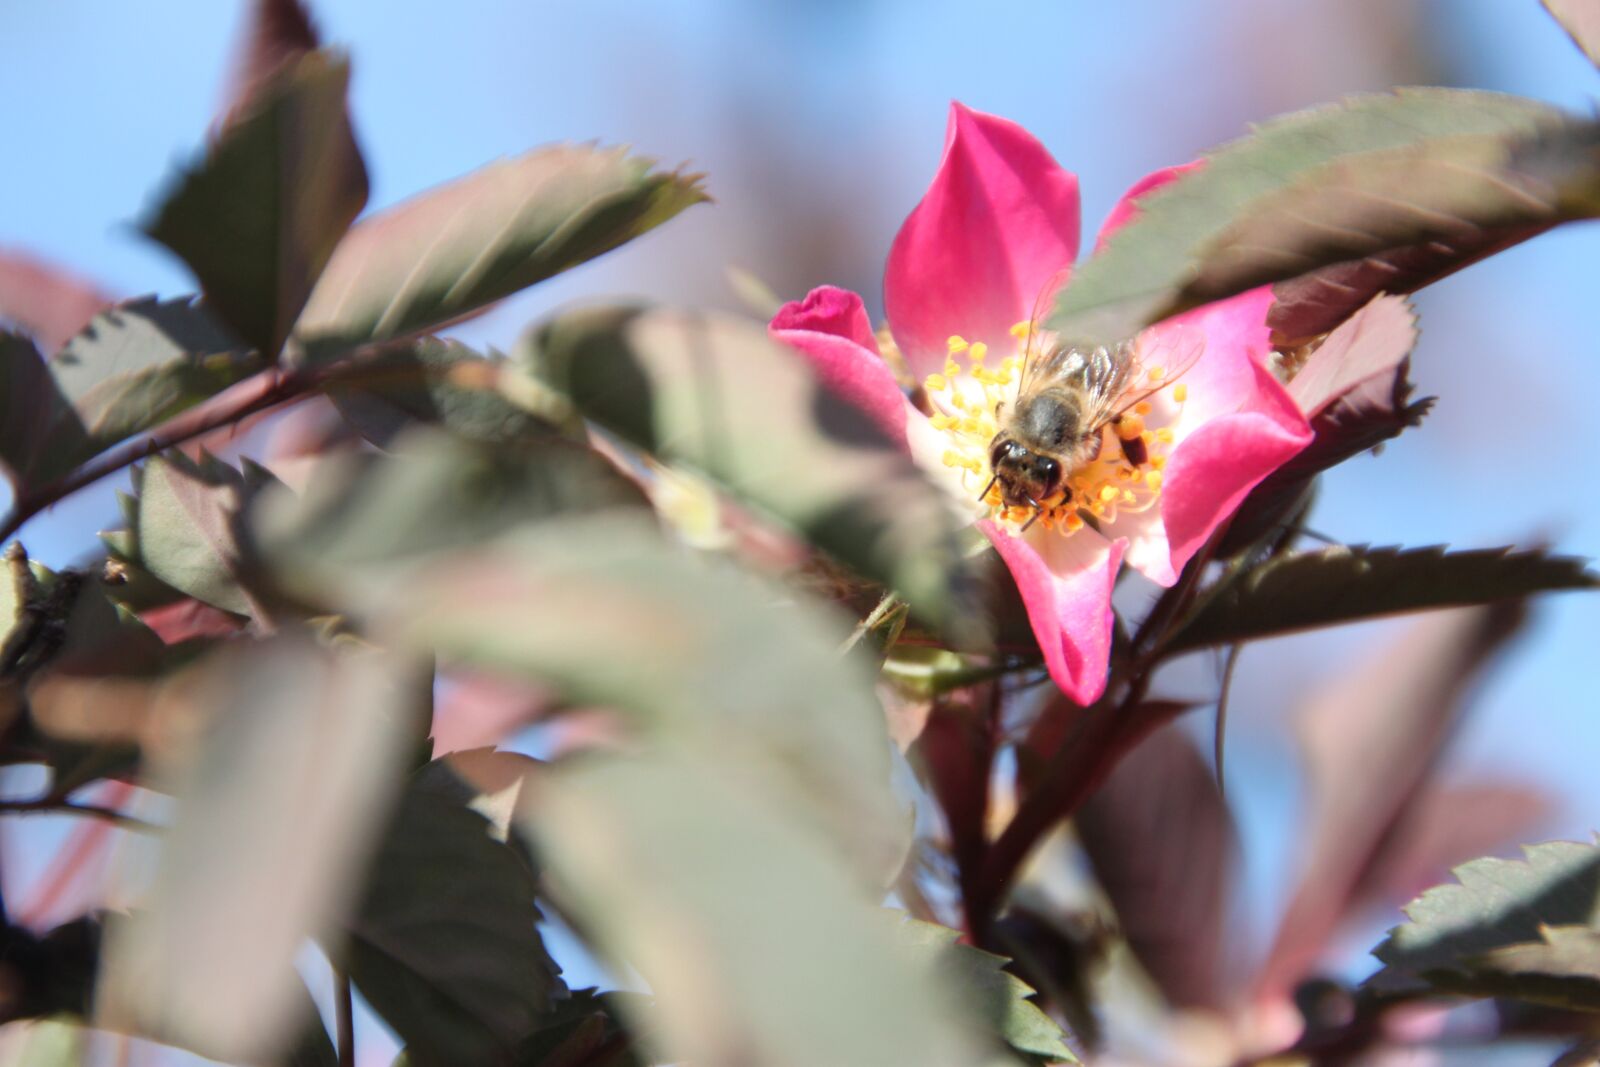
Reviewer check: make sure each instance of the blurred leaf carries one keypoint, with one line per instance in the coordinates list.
(453, 250)
(62, 1041)
(47, 301)
(1304, 590)
(40, 434)
(761, 949)
(277, 34)
(445, 944)
(1581, 20)
(188, 534)
(1337, 182)
(284, 764)
(132, 368)
(717, 395)
(607, 614)
(436, 492)
(585, 1030)
(1355, 390)
(438, 382)
(257, 218)
(1163, 845)
(1002, 1000)
(1475, 937)
(1382, 722)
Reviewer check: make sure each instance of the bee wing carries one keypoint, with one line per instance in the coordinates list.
(1041, 361)
(1150, 363)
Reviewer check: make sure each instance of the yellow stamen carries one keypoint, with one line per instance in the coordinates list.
(1108, 493)
(1157, 373)
(1158, 462)
(952, 458)
(1153, 479)
(957, 343)
(1074, 522)
(1020, 330)
(977, 352)
(1142, 408)
(935, 383)
(1129, 427)
(1164, 435)
(952, 369)
(1180, 392)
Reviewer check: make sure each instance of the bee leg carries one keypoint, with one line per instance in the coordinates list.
(1134, 449)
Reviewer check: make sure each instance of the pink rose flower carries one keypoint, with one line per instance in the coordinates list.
(998, 225)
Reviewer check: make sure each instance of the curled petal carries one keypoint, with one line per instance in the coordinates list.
(830, 328)
(1127, 208)
(998, 223)
(1236, 427)
(1065, 584)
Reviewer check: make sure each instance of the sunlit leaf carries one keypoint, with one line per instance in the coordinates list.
(453, 250)
(276, 35)
(1519, 927)
(603, 611)
(1305, 590)
(444, 943)
(291, 761)
(437, 382)
(1001, 999)
(258, 216)
(1330, 184)
(187, 532)
(760, 948)
(717, 395)
(132, 368)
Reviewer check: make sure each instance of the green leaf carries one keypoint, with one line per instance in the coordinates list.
(599, 608)
(716, 394)
(132, 368)
(442, 383)
(187, 530)
(1002, 1000)
(436, 492)
(259, 216)
(1305, 590)
(1527, 928)
(293, 757)
(445, 944)
(1581, 20)
(760, 947)
(453, 250)
(1334, 183)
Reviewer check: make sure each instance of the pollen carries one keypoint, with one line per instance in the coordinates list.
(966, 401)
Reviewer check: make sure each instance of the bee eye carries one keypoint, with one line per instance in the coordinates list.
(1049, 470)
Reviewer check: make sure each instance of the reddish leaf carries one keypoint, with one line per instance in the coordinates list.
(1371, 738)
(956, 752)
(188, 619)
(1162, 844)
(1444, 827)
(50, 303)
(1355, 390)
(278, 33)
(1581, 20)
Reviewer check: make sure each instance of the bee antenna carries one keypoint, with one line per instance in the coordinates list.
(988, 487)
(1037, 511)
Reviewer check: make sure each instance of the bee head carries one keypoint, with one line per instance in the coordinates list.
(1025, 477)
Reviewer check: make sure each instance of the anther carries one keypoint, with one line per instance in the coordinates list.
(957, 343)
(1180, 392)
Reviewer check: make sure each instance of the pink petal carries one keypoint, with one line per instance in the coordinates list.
(1065, 584)
(830, 328)
(1127, 208)
(998, 223)
(1237, 426)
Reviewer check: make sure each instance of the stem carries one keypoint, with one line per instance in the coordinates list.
(267, 390)
(57, 806)
(344, 1017)
(868, 624)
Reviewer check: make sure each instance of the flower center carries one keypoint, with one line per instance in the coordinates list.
(1124, 476)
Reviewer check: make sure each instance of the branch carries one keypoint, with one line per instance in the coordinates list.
(58, 806)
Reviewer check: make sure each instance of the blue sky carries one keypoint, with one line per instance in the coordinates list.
(819, 125)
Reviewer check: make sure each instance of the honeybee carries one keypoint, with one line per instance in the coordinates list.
(1067, 396)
